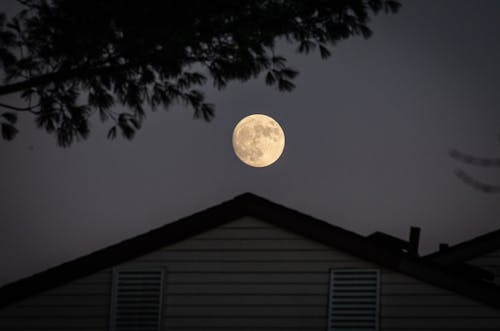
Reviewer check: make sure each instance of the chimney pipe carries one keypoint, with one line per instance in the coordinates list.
(414, 240)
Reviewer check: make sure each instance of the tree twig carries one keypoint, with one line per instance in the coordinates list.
(469, 180)
(474, 160)
(28, 109)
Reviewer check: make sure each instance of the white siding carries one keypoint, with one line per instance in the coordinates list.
(411, 305)
(249, 275)
(490, 262)
(81, 305)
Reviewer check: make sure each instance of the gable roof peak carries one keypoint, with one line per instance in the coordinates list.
(248, 204)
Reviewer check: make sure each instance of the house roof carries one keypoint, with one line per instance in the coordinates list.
(249, 205)
(467, 250)
(389, 241)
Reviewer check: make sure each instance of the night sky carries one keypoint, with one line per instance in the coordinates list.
(367, 139)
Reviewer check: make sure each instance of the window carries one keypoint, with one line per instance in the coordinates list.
(353, 300)
(136, 299)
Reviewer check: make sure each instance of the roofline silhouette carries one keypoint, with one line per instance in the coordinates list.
(467, 250)
(248, 204)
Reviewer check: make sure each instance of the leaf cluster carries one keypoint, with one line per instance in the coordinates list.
(74, 58)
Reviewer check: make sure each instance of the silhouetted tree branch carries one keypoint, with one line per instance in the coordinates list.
(479, 161)
(74, 58)
(29, 109)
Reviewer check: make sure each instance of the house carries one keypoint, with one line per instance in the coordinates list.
(481, 252)
(250, 264)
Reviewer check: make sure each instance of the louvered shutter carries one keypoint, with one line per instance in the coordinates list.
(136, 300)
(354, 300)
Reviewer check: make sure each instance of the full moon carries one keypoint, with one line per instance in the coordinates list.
(258, 140)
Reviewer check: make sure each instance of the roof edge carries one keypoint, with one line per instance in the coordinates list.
(248, 204)
(467, 250)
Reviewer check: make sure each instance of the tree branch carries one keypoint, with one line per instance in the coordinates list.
(60, 76)
(474, 160)
(469, 180)
(28, 109)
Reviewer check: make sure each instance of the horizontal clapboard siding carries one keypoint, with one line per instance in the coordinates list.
(261, 279)
(490, 262)
(411, 305)
(81, 305)
(248, 275)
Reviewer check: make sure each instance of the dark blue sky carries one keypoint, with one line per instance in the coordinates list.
(368, 133)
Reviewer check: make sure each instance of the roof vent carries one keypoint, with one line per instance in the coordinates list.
(354, 298)
(136, 300)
